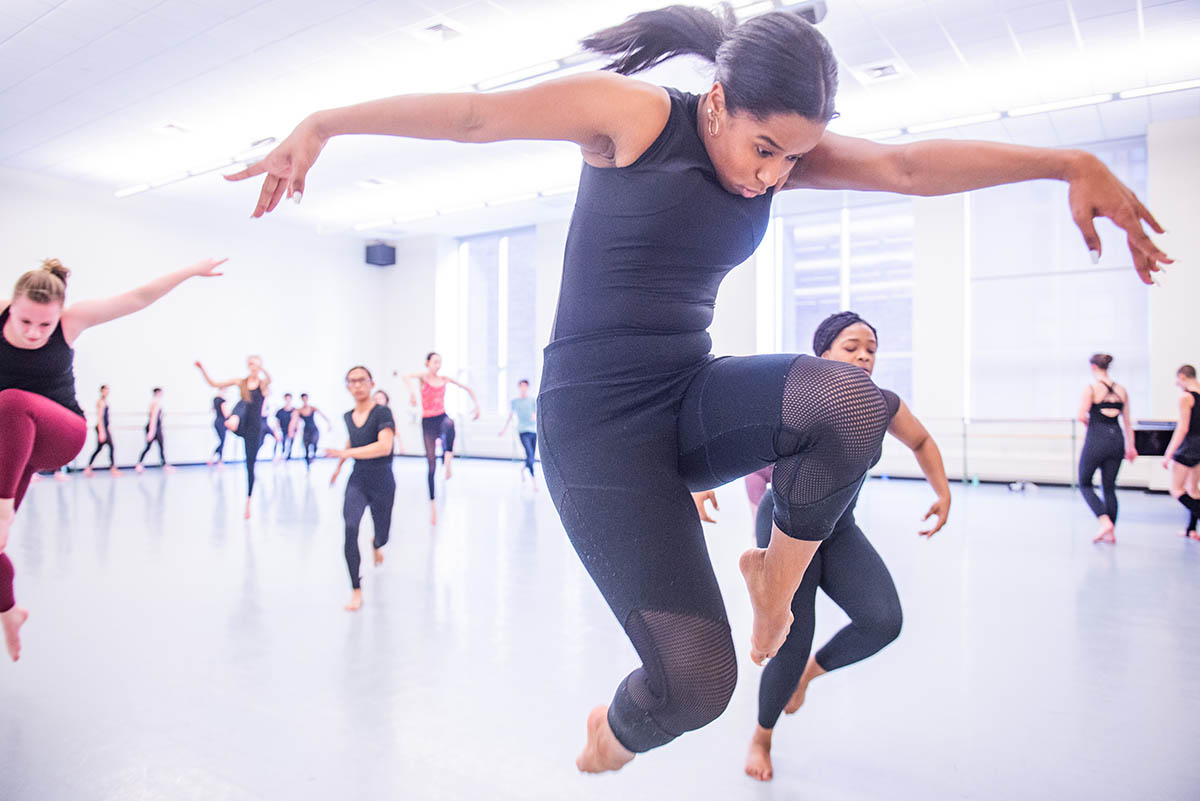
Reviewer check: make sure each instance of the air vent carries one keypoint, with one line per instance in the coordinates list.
(878, 72)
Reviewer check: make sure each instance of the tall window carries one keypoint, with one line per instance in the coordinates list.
(857, 257)
(500, 276)
(1040, 307)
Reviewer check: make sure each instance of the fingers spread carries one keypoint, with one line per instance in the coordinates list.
(249, 172)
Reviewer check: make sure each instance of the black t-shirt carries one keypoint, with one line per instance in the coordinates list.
(379, 418)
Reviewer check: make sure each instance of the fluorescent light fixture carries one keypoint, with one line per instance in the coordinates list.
(256, 148)
(417, 215)
(956, 122)
(131, 190)
(518, 198)
(515, 76)
(1059, 105)
(367, 226)
(179, 176)
(212, 168)
(1158, 89)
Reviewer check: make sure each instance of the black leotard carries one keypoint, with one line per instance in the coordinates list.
(634, 412)
(48, 371)
(1103, 448)
(371, 485)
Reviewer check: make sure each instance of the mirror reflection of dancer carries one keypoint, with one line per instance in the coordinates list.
(285, 419)
(1105, 404)
(41, 424)
(154, 433)
(372, 431)
(435, 423)
(247, 417)
(220, 409)
(629, 369)
(306, 416)
(103, 435)
(1182, 457)
(524, 409)
(847, 567)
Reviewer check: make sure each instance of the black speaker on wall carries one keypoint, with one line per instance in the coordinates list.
(381, 255)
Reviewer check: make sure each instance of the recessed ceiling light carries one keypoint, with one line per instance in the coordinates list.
(437, 33)
(878, 72)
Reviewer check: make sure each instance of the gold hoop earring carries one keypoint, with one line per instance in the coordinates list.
(714, 127)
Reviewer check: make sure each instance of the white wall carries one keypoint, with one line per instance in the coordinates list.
(307, 304)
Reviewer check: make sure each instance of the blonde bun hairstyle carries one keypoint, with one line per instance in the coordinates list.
(47, 284)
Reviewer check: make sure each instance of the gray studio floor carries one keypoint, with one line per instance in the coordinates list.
(174, 652)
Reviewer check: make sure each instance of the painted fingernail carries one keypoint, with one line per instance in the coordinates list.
(1095, 254)
(296, 197)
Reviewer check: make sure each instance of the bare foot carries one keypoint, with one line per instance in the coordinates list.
(61, 477)
(602, 752)
(797, 700)
(378, 557)
(35, 478)
(447, 472)
(87, 471)
(168, 468)
(137, 468)
(432, 513)
(1193, 535)
(247, 517)
(770, 624)
(758, 757)
(114, 470)
(13, 619)
(355, 602)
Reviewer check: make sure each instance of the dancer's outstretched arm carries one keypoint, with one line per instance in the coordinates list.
(613, 118)
(908, 429)
(944, 166)
(470, 392)
(78, 317)
(229, 382)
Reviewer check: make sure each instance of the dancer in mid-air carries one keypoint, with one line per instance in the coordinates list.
(371, 431)
(41, 424)
(676, 190)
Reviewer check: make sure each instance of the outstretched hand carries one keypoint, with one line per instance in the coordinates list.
(1096, 192)
(286, 167)
(941, 508)
(207, 268)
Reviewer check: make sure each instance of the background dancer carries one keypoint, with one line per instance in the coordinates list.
(435, 423)
(246, 421)
(103, 435)
(1104, 403)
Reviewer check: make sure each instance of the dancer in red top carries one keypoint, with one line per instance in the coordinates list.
(41, 424)
(435, 423)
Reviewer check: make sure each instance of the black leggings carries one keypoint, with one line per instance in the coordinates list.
(1103, 448)
(851, 572)
(158, 437)
(376, 490)
(311, 437)
(221, 431)
(112, 459)
(250, 430)
(529, 442)
(629, 423)
(440, 426)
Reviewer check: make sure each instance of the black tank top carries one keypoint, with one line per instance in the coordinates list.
(650, 243)
(48, 371)
(1095, 415)
(106, 417)
(1194, 421)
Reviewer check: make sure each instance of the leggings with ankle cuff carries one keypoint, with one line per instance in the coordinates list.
(850, 571)
(1103, 449)
(158, 437)
(35, 434)
(100, 445)
(440, 426)
(529, 443)
(374, 489)
(629, 423)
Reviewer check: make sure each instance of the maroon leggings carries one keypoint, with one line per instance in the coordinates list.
(35, 434)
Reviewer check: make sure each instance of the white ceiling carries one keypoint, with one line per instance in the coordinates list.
(83, 83)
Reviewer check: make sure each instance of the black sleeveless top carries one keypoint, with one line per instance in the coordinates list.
(48, 371)
(650, 243)
(1095, 415)
(1194, 420)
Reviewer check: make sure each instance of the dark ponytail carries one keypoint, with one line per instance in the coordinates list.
(776, 63)
(652, 37)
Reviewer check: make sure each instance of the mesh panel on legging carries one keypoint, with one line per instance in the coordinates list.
(833, 422)
(688, 675)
